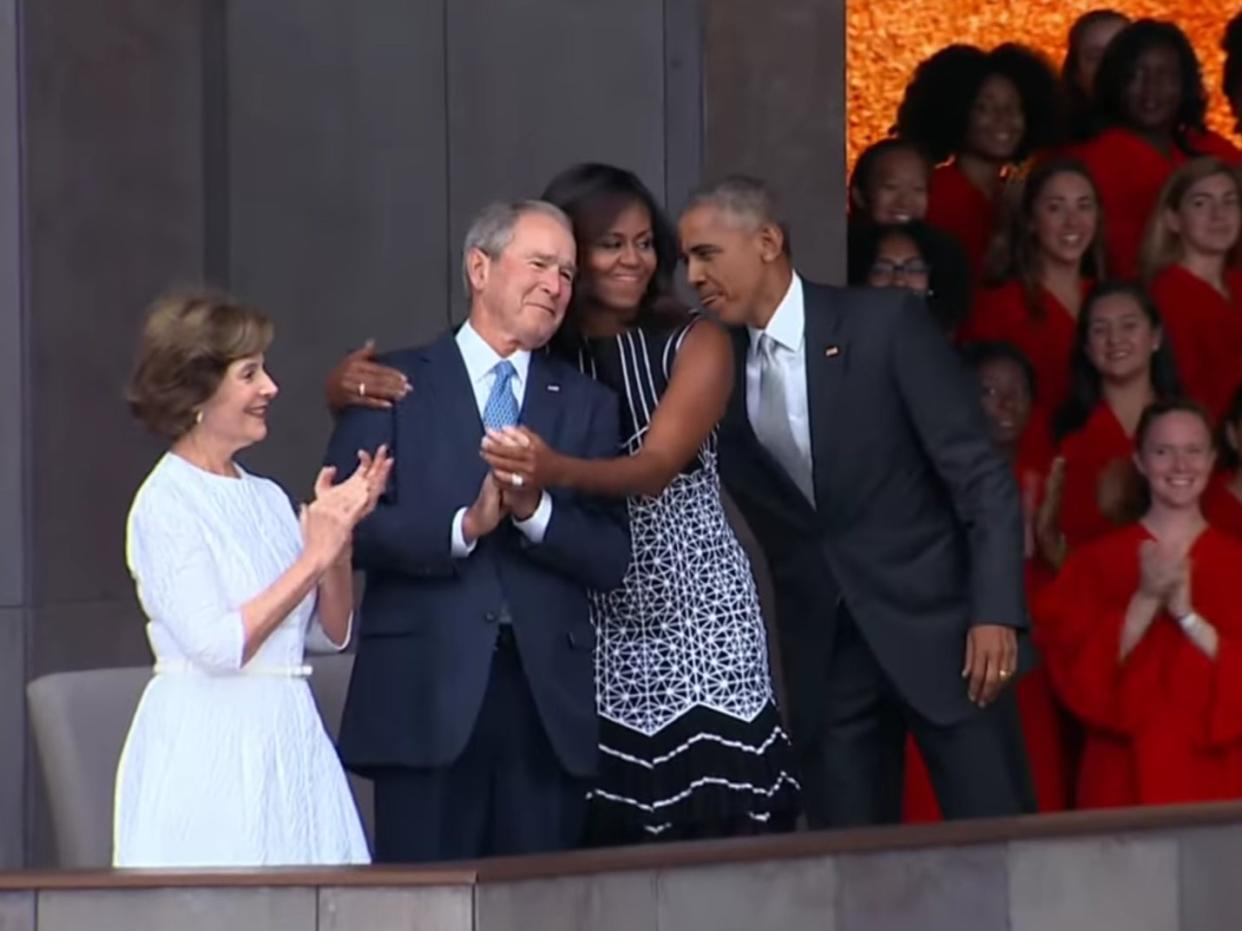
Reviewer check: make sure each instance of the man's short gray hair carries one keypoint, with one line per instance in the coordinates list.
(492, 229)
(746, 199)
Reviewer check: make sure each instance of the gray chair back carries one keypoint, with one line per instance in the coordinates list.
(80, 720)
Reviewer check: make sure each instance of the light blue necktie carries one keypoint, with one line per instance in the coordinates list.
(501, 409)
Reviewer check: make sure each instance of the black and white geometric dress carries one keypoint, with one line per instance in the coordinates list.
(692, 742)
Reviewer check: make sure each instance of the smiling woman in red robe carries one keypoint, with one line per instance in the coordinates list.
(1149, 109)
(976, 114)
(1142, 632)
(1121, 364)
(1048, 259)
(1189, 254)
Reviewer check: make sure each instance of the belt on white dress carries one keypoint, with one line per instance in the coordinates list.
(182, 667)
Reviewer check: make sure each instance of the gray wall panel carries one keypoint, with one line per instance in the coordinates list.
(774, 79)
(12, 335)
(536, 85)
(114, 207)
(13, 822)
(337, 192)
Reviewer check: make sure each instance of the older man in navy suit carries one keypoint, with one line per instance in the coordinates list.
(472, 704)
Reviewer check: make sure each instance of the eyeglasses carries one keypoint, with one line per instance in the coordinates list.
(888, 270)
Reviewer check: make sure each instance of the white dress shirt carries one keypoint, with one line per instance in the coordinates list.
(481, 360)
(787, 329)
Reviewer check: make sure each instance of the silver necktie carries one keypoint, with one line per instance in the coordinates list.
(773, 427)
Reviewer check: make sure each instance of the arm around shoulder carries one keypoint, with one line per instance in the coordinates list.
(588, 538)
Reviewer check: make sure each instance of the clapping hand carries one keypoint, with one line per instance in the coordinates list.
(524, 465)
(328, 521)
(1048, 535)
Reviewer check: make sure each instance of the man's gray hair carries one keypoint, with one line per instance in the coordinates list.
(492, 229)
(746, 199)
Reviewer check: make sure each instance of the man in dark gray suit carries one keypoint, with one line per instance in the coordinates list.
(855, 448)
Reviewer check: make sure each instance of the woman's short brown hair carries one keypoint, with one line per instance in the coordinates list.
(188, 342)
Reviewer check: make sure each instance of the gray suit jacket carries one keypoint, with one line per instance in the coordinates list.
(918, 529)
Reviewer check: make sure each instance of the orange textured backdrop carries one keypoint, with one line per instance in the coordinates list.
(886, 39)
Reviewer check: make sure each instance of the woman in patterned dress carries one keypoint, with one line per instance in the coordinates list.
(692, 743)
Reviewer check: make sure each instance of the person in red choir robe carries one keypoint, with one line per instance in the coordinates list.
(1149, 109)
(1121, 364)
(1189, 258)
(1044, 265)
(1088, 37)
(916, 257)
(979, 113)
(889, 183)
(1007, 385)
(1222, 503)
(1142, 633)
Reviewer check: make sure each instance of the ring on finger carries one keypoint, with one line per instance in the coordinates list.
(517, 481)
(1004, 673)
(362, 389)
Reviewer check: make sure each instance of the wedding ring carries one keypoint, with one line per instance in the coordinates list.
(518, 481)
(1004, 673)
(362, 389)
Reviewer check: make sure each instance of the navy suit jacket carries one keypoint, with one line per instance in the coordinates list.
(428, 622)
(918, 527)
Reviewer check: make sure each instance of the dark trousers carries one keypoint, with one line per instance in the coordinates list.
(854, 773)
(505, 794)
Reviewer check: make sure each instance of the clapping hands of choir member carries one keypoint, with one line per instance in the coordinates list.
(1164, 585)
(1048, 534)
(328, 521)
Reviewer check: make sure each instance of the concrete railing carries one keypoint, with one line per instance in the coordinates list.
(1169, 869)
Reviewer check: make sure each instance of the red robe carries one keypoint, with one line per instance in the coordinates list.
(1129, 172)
(1222, 508)
(1042, 721)
(1205, 332)
(957, 206)
(1088, 452)
(1165, 725)
(1001, 314)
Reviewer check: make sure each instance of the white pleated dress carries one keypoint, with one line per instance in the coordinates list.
(225, 765)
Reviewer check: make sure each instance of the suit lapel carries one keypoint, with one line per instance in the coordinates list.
(457, 412)
(827, 361)
(542, 404)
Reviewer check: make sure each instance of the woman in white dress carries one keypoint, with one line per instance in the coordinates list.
(227, 763)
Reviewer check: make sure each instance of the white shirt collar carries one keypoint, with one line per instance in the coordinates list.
(788, 324)
(480, 358)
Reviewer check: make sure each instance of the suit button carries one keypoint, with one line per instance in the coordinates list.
(490, 617)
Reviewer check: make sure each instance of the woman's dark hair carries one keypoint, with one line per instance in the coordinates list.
(588, 189)
(1077, 99)
(863, 175)
(948, 282)
(1086, 390)
(1231, 44)
(1120, 61)
(935, 111)
(977, 355)
(1016, 253)
(1231, 456)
